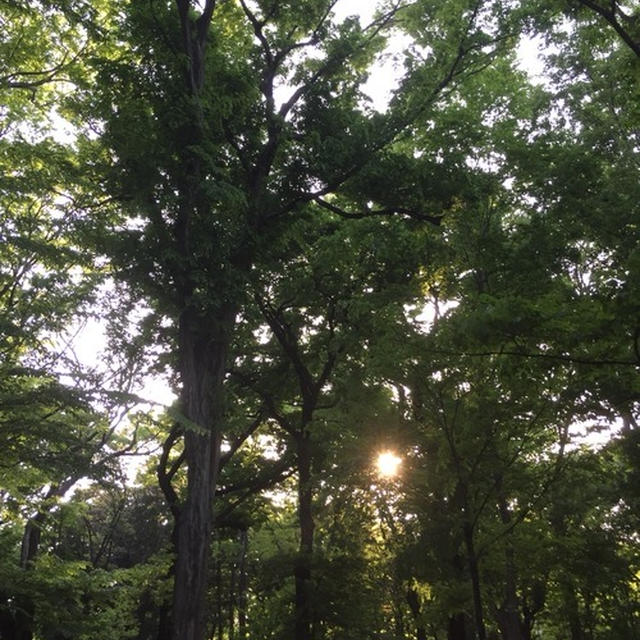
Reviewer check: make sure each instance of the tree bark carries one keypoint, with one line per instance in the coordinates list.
(567, 588)
(572, 610)
(203, 349)
(457, 629)
(508, 615)
(414, 604)
(24, 606)
(204, 336)
(20, 625)
(461, 499)
(303, 602)
(474, 573)
(242, 585)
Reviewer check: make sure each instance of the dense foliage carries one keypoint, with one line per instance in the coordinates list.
(331, 236)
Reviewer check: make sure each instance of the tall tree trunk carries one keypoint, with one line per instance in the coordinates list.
(413, 601)
(203, 350)
(21, 623)
(303, 604)
(24, 605)
(461, 499)
(204, 335)
(457, 629)
(474, 573)
(508, 615)
(242, 586)
(231, 613)
(220, 619)
(571, 607)
(572, 610)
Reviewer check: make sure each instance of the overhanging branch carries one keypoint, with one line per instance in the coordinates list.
(558, 357)
(610, 15)
(367, 212)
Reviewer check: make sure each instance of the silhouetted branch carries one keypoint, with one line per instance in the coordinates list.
(370, 213)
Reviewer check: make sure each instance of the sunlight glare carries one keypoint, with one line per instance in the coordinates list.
(387, 464)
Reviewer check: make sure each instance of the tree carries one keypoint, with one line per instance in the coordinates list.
(621, 17)
(270, 241)
(57, 418)
(513, 288)
(314, 326)
(205, 154)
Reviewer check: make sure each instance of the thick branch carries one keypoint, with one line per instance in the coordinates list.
(259, 33)
(390, 133)
(268, 401)
(165, 476)
(280, 470)
(370, 213)
(18, 79)
(610, 16)
(289, 344)
(240, 439)
(375, 27)
(194, 36)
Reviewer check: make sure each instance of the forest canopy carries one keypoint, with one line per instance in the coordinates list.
(389, 279)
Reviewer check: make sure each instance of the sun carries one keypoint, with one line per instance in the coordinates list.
(388, 464)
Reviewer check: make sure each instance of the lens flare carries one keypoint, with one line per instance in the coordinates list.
(388, 464)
